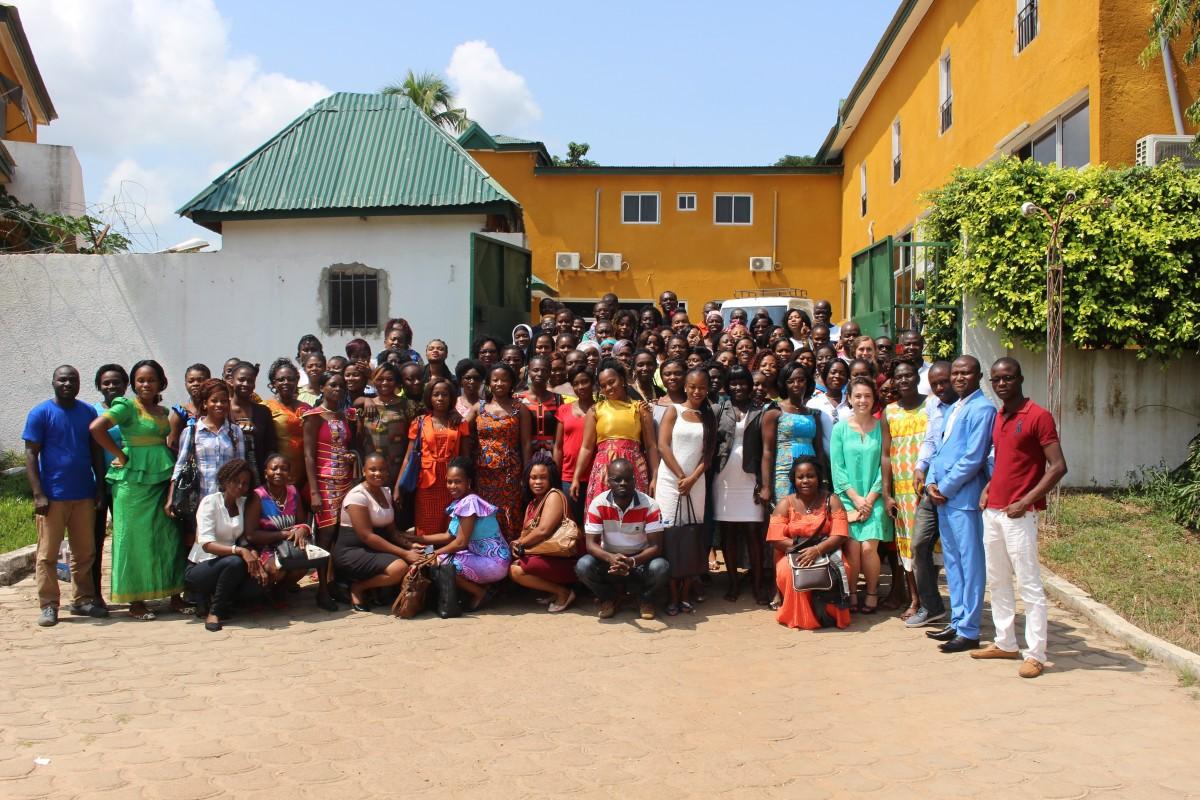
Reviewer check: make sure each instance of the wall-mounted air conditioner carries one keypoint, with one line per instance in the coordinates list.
(762, 264)
(609, 262)
(566, 261)
(1156, 148)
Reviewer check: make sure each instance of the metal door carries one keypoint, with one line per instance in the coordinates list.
(915, 284)
(500, 282)
(871, 299)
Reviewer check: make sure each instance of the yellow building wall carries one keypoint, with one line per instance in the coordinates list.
(15, 128)
(995, 90)
(685, 252)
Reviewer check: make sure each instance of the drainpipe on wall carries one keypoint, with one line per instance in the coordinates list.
(1169, 72)
(774, 229)
(596, 235)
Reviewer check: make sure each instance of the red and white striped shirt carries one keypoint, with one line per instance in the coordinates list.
(623, 531)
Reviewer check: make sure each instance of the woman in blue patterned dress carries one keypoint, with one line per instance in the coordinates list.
(790, 430)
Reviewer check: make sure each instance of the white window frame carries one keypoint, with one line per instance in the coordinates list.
(862, 189)
(1037, 25)
(945, 90)
(896, 152)
(658, 205)
(1053, 122)
(680, 196)
(732, 209)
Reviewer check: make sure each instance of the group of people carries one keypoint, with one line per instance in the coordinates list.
(617, 453)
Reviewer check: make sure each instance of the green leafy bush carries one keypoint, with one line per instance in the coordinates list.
(1130, 275)
(1176, 491)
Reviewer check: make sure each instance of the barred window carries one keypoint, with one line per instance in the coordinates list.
(353, 298)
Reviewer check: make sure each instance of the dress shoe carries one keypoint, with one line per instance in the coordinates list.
(995, 651)
(959, 644)
(942, 634)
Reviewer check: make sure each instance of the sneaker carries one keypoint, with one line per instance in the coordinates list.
(1031, 668)
(608, 609)
(48, 617)
(994, 650)
(89, 610)
(923, 618)
(647, 610)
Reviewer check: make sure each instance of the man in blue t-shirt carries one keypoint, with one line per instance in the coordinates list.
(62, 462)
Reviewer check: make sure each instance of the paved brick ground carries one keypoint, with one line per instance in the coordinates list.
(513, 702)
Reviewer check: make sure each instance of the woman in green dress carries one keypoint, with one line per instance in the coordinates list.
(147, 560)
(859, 452)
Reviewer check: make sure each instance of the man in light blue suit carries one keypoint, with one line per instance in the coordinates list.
(957, 476)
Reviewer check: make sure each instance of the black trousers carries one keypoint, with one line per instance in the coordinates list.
(925, 572)
(217, 582)
(100, 531)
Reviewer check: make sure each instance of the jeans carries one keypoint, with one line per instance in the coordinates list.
(966, 574)
(72, 518)
(217, 582)
(925, 571)
(1011, 547)
(645, 579)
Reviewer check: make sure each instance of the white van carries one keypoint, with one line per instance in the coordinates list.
(775, 305)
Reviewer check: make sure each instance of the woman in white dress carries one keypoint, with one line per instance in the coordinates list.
(737, 461)
(685, 439)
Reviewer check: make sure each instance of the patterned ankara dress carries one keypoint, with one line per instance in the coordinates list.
(498, 467)
(908, 431)
(335, 470)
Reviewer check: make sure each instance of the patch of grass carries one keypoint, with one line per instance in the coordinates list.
(1187, 678)
(16, 513)
(11, 458)
(1130, 555)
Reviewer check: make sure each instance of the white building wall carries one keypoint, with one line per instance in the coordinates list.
(47, 177)
(1119, 412)
(253, 299)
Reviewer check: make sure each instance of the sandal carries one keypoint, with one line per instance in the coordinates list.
(908, 612)
(687, 607)
(866, 609)
(672, 609)
(558, 608)
(774, 605)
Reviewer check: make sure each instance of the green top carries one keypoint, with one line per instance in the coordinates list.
(148, 459)
(855, 462)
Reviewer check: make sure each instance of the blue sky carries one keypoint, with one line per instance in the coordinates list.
(198, 83)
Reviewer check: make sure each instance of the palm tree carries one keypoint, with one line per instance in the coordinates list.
(431, 94)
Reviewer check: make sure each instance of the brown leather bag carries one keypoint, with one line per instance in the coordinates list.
(411, 600)
(564, 542)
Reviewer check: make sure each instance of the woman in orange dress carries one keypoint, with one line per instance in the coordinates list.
(286, 412)
(443, 436)
(814, 515)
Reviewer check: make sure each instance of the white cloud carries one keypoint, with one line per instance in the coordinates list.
(149, 93)
(492, 94)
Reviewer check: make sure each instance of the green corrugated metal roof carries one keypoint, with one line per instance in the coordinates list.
(502, 139)
(352, 153)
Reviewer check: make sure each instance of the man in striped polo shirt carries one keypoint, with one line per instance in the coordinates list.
(624, 542)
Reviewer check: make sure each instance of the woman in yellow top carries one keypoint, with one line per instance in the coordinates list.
(616, 427)
(287, 411)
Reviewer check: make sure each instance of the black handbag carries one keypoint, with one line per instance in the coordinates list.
(290, 557)
(443, 576)
(686, 546)
(186, 498)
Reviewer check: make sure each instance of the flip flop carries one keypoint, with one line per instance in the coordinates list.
(672, 609)
(687, 607)
(145, 616)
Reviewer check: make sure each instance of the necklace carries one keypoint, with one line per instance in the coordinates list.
(278, 501)
(813, 508)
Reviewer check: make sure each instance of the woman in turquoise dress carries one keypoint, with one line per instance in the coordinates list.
(859, 452)
(790, 430)
(147, 558)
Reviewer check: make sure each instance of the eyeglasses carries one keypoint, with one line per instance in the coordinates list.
(1003, 379)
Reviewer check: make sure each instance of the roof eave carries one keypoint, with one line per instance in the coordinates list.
(12, 18)
(816, 169)
(210, 218)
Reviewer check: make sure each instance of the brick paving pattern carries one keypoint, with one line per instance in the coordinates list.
(513, 702)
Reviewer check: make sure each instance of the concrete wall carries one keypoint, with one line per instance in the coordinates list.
(48, 177)
(253, 299)
(1119, 412)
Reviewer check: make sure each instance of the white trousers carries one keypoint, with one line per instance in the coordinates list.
(1010, 547)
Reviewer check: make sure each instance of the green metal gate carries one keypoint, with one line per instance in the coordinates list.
(500, 280)
(871, 288)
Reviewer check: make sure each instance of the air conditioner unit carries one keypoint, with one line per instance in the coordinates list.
(609, 262)
(1155, 149)
(566, 261)
(762, 264)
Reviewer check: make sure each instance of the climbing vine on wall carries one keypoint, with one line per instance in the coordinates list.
(1131, 271)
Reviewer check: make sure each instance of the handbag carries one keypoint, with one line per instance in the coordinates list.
(443, 576)
(289, 557)
(186, 498)
(563, 543)
(686, 546)
(411, 600)
(412, 468)
(819, 576)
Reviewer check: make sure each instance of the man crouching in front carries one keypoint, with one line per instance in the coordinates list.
(624, 540)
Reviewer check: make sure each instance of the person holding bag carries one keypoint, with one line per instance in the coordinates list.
(550, 542)
(808, 525)
(686, 437)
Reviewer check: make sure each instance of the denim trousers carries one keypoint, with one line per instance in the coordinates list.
(643, 580)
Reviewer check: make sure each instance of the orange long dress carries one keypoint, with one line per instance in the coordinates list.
(438, 446)
(828, 519)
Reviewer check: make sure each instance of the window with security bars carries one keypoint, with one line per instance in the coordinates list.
(353, 300)
(1027, 23)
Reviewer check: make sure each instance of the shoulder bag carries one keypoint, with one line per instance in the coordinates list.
(186, 498)
(564, 542)
(685, 546)
(411, 600)
(819, 576)
(410, 478)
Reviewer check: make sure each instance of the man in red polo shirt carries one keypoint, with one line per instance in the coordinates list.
(1028, 463)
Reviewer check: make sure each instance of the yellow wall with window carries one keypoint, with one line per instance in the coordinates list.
(686, 251)
(15, 128)
(1085, 51)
